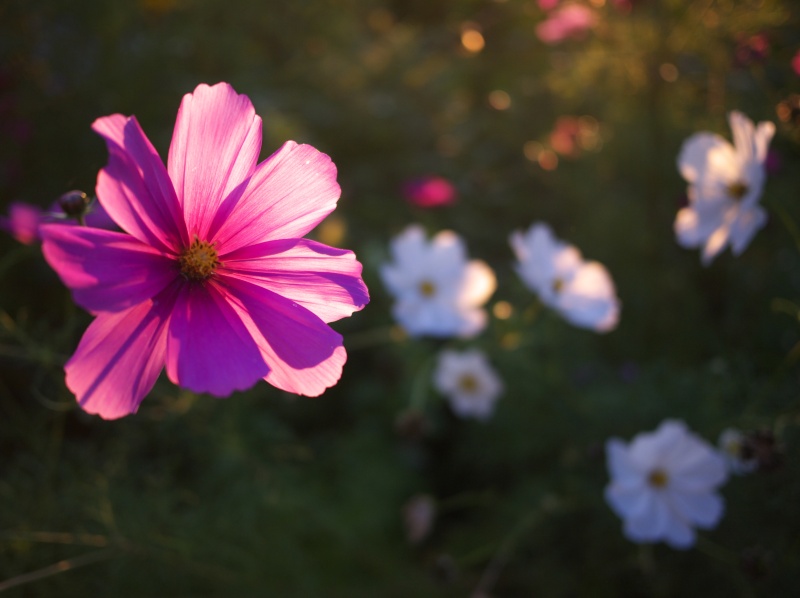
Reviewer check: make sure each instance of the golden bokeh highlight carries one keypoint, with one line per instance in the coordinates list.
(499, 100)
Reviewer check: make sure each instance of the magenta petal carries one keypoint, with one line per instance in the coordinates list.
(215, 147)
(134, 187)
(304, 354)
(324, 280)
(119, 358)
(105, 270)
(209, 349)
(289, 194)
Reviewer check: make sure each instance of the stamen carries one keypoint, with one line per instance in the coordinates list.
(658, 478)
(558, 284)
(737, 190)
(468, 383)
(427, 288)
(198, 261)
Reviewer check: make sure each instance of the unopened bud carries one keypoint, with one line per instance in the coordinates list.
(74, 203)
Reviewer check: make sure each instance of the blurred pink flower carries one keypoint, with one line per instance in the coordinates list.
(570, 21)
(581, 291)
(210, 277)
(24, 219)
(22, 222)
(548, 4)
(752, 49)
(663, 484)
(796, 63)
(725, 184)
(430, 192)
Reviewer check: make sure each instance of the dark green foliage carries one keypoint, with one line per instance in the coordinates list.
(264, 494)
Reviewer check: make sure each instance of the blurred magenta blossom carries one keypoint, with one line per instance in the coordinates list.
(437, 290)
(663, 484)
(22, 222)
(211, 276)
(725, 184)
(796, 63)
(581, 291)
(751, 49)
(23, 219)
(430, 192)
(569, 21)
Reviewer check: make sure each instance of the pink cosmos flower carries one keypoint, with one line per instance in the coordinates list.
(430, 192)
(569, 21)
(211, 277)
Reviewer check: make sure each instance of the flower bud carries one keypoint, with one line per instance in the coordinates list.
(75, 203)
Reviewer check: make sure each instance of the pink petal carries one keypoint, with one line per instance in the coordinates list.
(105, 270)
(304, 354)
(208, 347)
(324, 280)
(134, 187)
(214, 149)
(119, 358)
(289, 194)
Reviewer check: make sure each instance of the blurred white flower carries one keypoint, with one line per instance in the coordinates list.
(581, 291)
(725, 184)
(663, 484)
(469, 382)
(731, 444)
(437, 291)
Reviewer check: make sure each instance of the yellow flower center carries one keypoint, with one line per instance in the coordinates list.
(737, 190)
(658, 478)
(558, 284)
(468, 383)
(198, 261)
(427, 288)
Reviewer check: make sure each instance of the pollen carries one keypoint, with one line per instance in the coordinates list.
(558, 284)
(198, 261)
(737, 190)
(427, 288)
(658, 478)
(468, 383)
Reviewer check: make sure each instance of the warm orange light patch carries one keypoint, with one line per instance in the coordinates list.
(198, 261)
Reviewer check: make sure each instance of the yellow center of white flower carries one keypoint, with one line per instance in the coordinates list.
(468, 383)
(737, 190)
(198, 261)
(427, 288)
(658, 478)
(558, 284)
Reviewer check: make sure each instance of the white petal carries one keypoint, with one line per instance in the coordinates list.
(744, 228)
(702, 509)
(679, 534)
(694, 155)
(478, 284)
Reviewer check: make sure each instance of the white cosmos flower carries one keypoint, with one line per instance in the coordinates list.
(437, 291)
(725, 184)
(581, 291)
(730, 443)
(663, 484)
(469, 382)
